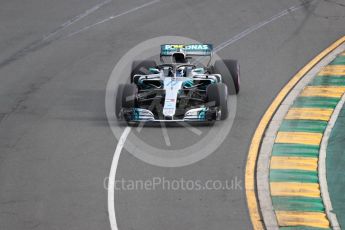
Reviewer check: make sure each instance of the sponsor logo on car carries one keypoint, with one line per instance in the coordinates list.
(187, 47)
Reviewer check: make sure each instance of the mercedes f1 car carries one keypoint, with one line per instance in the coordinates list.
(178, 90)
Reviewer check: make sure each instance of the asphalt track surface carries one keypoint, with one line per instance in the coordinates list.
(56, 146)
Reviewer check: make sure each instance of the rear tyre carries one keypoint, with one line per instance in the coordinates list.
(217, 95)
(141, 67)
(230, 72)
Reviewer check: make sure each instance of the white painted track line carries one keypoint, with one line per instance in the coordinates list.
(262, 171)
(323, 152)
(322, 166)
(112, 175)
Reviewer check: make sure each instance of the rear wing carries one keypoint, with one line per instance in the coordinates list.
(189, 50)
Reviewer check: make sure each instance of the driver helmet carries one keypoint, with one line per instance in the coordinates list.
(180, 72)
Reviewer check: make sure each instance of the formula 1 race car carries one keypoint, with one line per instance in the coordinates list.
(178, 90)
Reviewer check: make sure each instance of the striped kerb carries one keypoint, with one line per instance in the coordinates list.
(294, 182)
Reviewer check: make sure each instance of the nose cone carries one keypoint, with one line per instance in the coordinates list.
(172, 87)
(169, 108)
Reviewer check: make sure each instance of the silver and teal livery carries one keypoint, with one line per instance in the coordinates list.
(174, 91)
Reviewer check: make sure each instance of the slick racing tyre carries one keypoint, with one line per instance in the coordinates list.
(141, 67)
(129, 94)
(118, 101)
(226, 67)
(125, 98)
(217, 95)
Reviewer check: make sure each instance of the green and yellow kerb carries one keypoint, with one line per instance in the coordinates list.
(294, 182)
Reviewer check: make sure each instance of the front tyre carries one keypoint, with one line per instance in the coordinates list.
(125, 98)
(129, 95)
(118, 101)
(217, 95)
